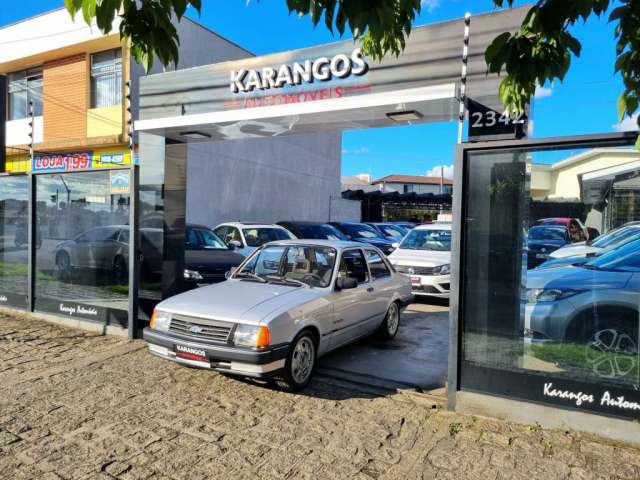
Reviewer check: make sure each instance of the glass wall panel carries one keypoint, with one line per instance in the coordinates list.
(82, 263)
(14, 218)
(551, 285)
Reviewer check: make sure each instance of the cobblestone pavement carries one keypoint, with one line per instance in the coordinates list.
(78, 405)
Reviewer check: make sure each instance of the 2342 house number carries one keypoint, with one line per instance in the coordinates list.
(491, 118)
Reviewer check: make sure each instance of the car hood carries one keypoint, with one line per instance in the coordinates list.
(575, 251)
(240, 301)
(573, 278)
(209, 261)
(430, 258)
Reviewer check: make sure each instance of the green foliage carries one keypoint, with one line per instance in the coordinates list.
(383, 25)
(147, 25)
(541, 50)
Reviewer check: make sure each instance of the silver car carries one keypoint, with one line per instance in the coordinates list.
(286, 305)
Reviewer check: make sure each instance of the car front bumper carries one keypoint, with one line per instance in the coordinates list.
(547, 322)
(437, 286)
(226, 359)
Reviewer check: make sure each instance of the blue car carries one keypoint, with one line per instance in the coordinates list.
(363, 233)
(542, 240)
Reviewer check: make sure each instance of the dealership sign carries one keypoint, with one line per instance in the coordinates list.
(62, 162)
(321, 69)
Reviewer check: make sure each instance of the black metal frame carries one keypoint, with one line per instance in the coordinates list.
(460, 201)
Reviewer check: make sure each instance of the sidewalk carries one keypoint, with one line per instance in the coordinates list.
(78, 405)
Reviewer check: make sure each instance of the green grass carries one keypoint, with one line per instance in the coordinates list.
(20, 270)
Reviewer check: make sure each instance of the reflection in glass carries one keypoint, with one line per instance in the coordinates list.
(14, 218)
(552, 283)
(84, 236)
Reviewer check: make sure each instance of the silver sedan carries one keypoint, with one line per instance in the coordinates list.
(286, 305)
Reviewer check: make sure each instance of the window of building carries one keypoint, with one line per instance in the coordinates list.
(25, 87)
(106, 78)
(407, 188)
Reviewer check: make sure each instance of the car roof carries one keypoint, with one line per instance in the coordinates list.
(434, 226)
(551, 227)
(341, 244)
(249, 224)
(295, 222)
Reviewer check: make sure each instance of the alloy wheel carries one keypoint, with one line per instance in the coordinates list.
(393, 319)
(302, 360)
(611, 353)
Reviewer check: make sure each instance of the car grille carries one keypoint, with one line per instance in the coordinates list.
(415, 270)
(213, 330)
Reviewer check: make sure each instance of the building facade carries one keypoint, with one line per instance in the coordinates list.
(414, 184)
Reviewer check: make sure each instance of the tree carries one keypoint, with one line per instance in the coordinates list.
(539, 52)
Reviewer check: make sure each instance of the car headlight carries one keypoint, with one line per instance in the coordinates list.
(535, 295)
(251, 336)
(442, 270)
(192, 275)
(160, 321)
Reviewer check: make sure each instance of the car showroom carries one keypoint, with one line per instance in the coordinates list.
(227, 242)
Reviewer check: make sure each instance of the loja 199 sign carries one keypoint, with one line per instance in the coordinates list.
(488, 124)
(62, 162)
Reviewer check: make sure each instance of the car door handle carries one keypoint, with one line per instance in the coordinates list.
(370, 289)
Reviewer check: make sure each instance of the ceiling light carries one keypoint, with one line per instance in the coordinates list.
(405, 116)
(195, 135)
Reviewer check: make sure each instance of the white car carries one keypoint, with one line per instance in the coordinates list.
(285, 306)
(425, 255)
(246, 237)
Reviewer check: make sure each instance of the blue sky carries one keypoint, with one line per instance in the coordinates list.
(584, 103)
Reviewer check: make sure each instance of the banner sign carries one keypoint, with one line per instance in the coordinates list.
(119, 182)
(62, 162)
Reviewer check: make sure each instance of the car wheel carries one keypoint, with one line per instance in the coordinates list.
(300, 362)
(63, 266)
(389, 327)
(611, 351)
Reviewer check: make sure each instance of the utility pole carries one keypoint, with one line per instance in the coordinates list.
(463, 77)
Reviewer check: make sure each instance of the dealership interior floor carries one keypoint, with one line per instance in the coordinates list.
(416, 358)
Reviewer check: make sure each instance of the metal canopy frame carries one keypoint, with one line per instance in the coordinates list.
(460, 200)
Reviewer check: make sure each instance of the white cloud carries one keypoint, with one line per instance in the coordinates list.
(543, 92)
(446, 170)
(430, 5)
(629, 124)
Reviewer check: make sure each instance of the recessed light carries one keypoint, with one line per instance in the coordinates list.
(405, 116)
(195, 135)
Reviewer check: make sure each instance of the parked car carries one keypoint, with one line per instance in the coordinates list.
(207, 258)
(313, 230)
(595, 305)
(284, 307)
(590, 247)
(425, 256)
(406, 225)
(245, 237)
(363, 233)
(389, 230)
(542, 240)
(577, 230)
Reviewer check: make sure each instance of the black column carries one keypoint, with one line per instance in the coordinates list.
(3, 123)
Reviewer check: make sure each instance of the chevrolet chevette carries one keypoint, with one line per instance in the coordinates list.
(286, 305)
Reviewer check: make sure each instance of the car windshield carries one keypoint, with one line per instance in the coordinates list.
(625, 258)
(431, 239)
(546, 233)
(357, 230)
(290, 264)
(320, 232)
(392, 230)
(210, 241)
(256, 237)
(617, 237)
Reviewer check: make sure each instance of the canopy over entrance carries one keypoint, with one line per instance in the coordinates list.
(325, 88)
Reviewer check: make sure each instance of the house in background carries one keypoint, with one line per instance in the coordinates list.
(414, 184)
(75, 77)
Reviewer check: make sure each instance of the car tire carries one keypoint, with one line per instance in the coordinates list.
(389, 327)
(63, 266)
(300, 362)
(611, 349)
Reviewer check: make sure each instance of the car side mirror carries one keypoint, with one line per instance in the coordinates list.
(234, 244)
(346, 283)
(230, 272)
(395, 244)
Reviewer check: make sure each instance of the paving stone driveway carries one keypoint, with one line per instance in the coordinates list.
(77, 405)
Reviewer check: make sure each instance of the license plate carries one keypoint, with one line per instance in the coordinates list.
(415, 280)
(542, 255)
(188, 353)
